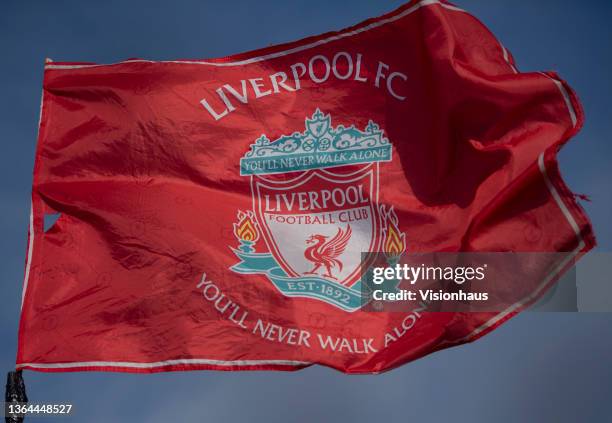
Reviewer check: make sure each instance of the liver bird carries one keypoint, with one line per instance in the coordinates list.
(325, 252)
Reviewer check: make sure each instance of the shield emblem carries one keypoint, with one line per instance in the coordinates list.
(320, 221)
(315, 214)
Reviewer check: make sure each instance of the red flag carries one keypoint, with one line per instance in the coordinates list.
(213, 212)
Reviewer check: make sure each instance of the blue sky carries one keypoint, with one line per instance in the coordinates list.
(538, 367)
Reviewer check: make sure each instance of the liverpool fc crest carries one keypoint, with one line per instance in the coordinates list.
(315, 215)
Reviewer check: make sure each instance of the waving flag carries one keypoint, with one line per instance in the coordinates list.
(213, 214)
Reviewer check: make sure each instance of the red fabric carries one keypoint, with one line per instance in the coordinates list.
(149, 188)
